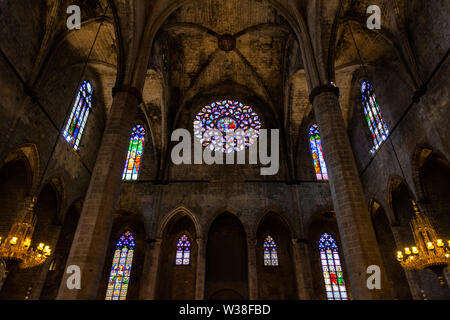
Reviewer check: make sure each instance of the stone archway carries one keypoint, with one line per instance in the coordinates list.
(226, 259)
(125, 221)
(177, 281)
(14, 187)
(434, 175)
(275, 282)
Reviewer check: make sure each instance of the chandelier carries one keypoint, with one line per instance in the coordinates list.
(429, 251)
(16, 246)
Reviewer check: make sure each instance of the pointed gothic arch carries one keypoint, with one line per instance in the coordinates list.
(226, 236)
(177, 274)
(275, 280)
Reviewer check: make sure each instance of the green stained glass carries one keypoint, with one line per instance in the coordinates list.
(119, 277)
(134, 156)
(80, 112)
(372, 112)
(317, 153)
(331, 267)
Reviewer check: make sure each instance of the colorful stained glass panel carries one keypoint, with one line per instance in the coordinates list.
(372, 113)
(270, 252)
(317, 153)
(227, 117)
(331, 268)
(119, 276)
(134, 156)
(183, 254)
(80, 113)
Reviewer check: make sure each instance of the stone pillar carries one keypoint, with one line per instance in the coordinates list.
(411, 277)
(447, 276)
(39, 283)
(201, 265)
(302, 267)
(92, 236)
(355, 227)
(252, 270)
(150, 270)
(2, 273)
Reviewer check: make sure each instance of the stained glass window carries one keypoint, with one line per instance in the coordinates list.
(225, 117)
(119, 277)
(270, 252)
(134, 157)
(80, 112)
(332, 268)
(317, 153)
(372, 112)
(183, 255)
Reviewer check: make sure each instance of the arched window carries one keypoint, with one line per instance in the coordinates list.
(270, 252)
(222, 118)
(119, 277)
(372, 112)
(183, 251)
(80, 112)
(332, 268)
(317, 153)
(134, 157)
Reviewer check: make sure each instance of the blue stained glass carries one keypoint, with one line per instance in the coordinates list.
(119, 277)
(372, 112)
(134, 156)
(80, 113)
(270, 252)
(227, 116)
(317, 153)
(183, 254)
(331, 267)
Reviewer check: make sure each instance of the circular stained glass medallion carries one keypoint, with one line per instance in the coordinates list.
(227, 126)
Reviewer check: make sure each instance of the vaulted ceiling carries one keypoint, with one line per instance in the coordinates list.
(265, 58)
(190, 44)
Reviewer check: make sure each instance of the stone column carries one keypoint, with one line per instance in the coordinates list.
(150, 270)
(92, 236)
(302, 267)
(2, 273)
(447, 276)
(252, 270)
(201, 265)
(411, 277)
(355, 227)
(39, 283)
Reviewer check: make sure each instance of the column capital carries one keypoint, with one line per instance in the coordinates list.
(128, 89)
(321, 89)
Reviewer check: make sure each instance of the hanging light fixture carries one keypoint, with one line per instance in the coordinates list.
(16, 247)
(429, 252)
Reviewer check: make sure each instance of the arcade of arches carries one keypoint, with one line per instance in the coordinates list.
(86, 119)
